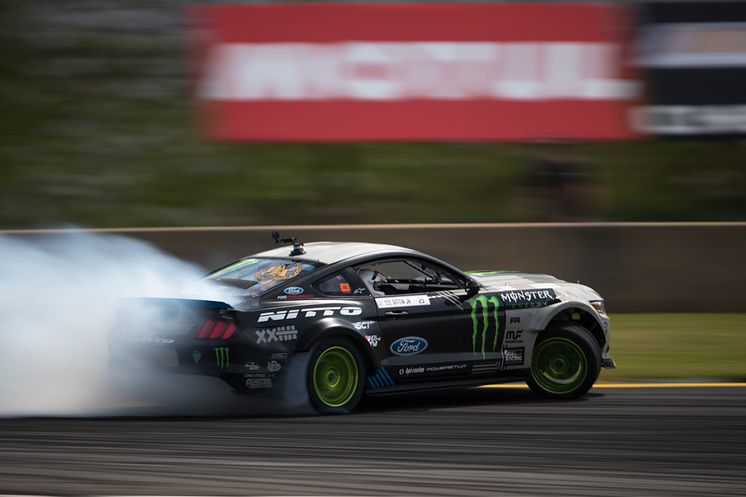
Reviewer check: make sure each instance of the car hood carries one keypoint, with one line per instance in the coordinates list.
(505, 281)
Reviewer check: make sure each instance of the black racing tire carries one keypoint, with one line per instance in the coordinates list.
(336, 376)
(565, 362)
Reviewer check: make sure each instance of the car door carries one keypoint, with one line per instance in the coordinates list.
(422, 318)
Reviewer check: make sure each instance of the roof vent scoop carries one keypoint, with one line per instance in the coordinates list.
(297, 246)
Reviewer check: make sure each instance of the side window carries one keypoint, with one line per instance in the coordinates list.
(405, 276)
(344, 284)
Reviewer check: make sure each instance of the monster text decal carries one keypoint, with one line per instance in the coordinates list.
(528, 298)
(492, 316)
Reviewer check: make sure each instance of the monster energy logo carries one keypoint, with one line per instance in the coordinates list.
(484, 303)
(222, 357)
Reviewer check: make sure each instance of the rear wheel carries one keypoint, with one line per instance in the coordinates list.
(336, 376)
(565, 363)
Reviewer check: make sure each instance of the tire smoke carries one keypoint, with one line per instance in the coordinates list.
(58, 302)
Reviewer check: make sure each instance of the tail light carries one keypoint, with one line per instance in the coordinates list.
(214, 329)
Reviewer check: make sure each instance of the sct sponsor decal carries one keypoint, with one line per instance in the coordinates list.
(308, 312)
(277, 334)
(363, 325)
(408, 346)
(408, 301)
(486, 322)
(222, 357)
(294, 290)
(517, 299)
(513, 356)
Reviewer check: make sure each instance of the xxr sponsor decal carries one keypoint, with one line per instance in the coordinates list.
(490, 323)
(308, 312)
(277, 334)
(407, 346)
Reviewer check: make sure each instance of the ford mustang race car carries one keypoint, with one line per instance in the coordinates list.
(343, 320)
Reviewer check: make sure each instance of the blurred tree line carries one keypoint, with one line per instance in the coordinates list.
(98, 130)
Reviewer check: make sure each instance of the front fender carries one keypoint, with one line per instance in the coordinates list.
(541, 320)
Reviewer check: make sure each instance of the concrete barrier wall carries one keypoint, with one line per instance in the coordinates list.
(678, 267)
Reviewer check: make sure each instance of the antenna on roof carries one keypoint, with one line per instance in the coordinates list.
(297, 246)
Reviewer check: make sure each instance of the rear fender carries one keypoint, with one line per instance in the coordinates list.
(334, 327)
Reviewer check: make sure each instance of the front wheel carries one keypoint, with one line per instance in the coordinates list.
(336, 376)
(565, 363)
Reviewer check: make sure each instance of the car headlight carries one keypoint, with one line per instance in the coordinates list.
(599, 306)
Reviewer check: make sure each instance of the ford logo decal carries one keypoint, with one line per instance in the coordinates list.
(408, 346)
(294, 290)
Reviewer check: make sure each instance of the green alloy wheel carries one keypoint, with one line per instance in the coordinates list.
(565, 363)
(335, 376)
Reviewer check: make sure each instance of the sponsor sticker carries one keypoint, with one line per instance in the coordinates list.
(276, 334)
(486, 323)
(293, 290)
(403, 301)
(512, 336)
(256, 383)
(373, 340)
(528, 298)
(251, 366)
(196, 356)
(408, 346)
(513, 356)
(222, 357)
(308, 312)
(273, 366)
(362, 325)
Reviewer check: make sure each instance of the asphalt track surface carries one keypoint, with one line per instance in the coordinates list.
(631, 442)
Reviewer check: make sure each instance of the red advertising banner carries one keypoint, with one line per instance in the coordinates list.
(415, 72)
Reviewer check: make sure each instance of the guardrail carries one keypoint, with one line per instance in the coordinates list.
(637, 267)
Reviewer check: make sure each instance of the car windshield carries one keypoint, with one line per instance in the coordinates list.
(257, 275)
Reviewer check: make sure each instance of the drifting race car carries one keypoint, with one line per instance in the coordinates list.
(343, 320)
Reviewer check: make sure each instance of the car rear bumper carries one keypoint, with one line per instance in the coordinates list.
(607, 362)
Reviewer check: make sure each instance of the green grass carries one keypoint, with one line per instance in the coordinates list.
(678, 346)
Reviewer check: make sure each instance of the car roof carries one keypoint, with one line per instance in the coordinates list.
(331, 252)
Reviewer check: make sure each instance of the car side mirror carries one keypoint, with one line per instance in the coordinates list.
(472, 288)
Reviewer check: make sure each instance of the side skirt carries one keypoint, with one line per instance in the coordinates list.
(444, 385)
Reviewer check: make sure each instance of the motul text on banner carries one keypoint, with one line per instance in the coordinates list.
(413, 72)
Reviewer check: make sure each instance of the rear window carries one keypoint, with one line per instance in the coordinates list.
(257, 275)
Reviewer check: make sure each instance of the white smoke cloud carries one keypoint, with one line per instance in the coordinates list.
(58, 302)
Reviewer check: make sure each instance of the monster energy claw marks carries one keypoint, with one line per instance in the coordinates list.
(482, 302)
(222, 357)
